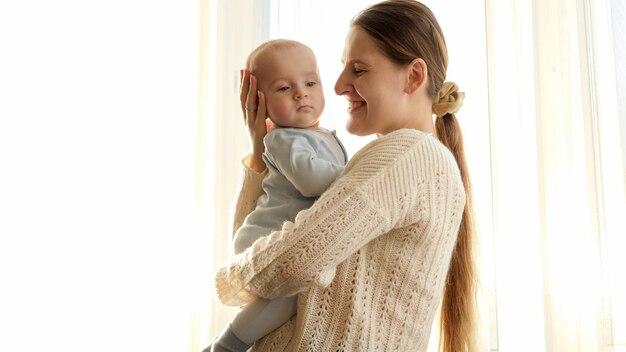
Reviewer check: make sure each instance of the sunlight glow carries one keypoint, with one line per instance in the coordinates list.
(97, 233)
(613, 173)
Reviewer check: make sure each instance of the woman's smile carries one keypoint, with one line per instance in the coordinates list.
(355, 105)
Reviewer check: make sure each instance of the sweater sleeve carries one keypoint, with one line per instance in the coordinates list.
(250, 189)
(370, 199)
(304, 253)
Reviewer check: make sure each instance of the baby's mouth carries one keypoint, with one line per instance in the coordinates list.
(302, 107)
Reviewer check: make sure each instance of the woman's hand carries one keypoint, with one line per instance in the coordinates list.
(254, 113)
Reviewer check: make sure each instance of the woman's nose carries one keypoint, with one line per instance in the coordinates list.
(341, 86)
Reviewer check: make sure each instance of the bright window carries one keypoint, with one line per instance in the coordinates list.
(98, 245)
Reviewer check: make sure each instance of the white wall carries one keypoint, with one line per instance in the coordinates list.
(98, 105)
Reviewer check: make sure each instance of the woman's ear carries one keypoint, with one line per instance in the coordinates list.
(416, 76)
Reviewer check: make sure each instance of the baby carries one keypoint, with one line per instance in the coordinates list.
(302, 159)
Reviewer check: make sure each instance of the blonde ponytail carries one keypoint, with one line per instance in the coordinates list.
(458, 308)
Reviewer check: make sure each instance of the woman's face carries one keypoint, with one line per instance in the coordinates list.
(374, 86)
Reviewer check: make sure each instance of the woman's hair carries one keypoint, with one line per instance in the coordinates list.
(405, 30)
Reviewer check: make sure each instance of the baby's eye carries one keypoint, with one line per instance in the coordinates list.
(283, 89)
(310, 84)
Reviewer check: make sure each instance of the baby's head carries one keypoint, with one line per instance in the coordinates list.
(288, 75)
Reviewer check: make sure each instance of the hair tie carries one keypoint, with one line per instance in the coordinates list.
(448, 100)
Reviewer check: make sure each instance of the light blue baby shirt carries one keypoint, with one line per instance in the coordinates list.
(302, 164)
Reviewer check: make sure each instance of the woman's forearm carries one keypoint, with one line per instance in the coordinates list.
(304, 253)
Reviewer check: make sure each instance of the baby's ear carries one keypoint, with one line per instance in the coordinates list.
(416, 75)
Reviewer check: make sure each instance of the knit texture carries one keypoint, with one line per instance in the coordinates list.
(368, 260)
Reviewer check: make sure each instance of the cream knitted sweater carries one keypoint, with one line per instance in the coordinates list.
(368, 260)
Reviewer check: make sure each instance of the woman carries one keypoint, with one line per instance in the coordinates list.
(375, 255)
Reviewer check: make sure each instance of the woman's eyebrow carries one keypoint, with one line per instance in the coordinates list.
(353, 61)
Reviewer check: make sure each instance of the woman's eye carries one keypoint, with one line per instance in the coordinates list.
(356, 71)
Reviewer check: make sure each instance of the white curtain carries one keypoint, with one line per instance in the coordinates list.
(558, 176)
(234, 29)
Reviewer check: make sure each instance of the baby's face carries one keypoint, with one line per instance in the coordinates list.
(289, 78)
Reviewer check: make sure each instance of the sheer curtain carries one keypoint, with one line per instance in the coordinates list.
(557, 177)
(581, 176)
(543, 128)
(233, 29)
